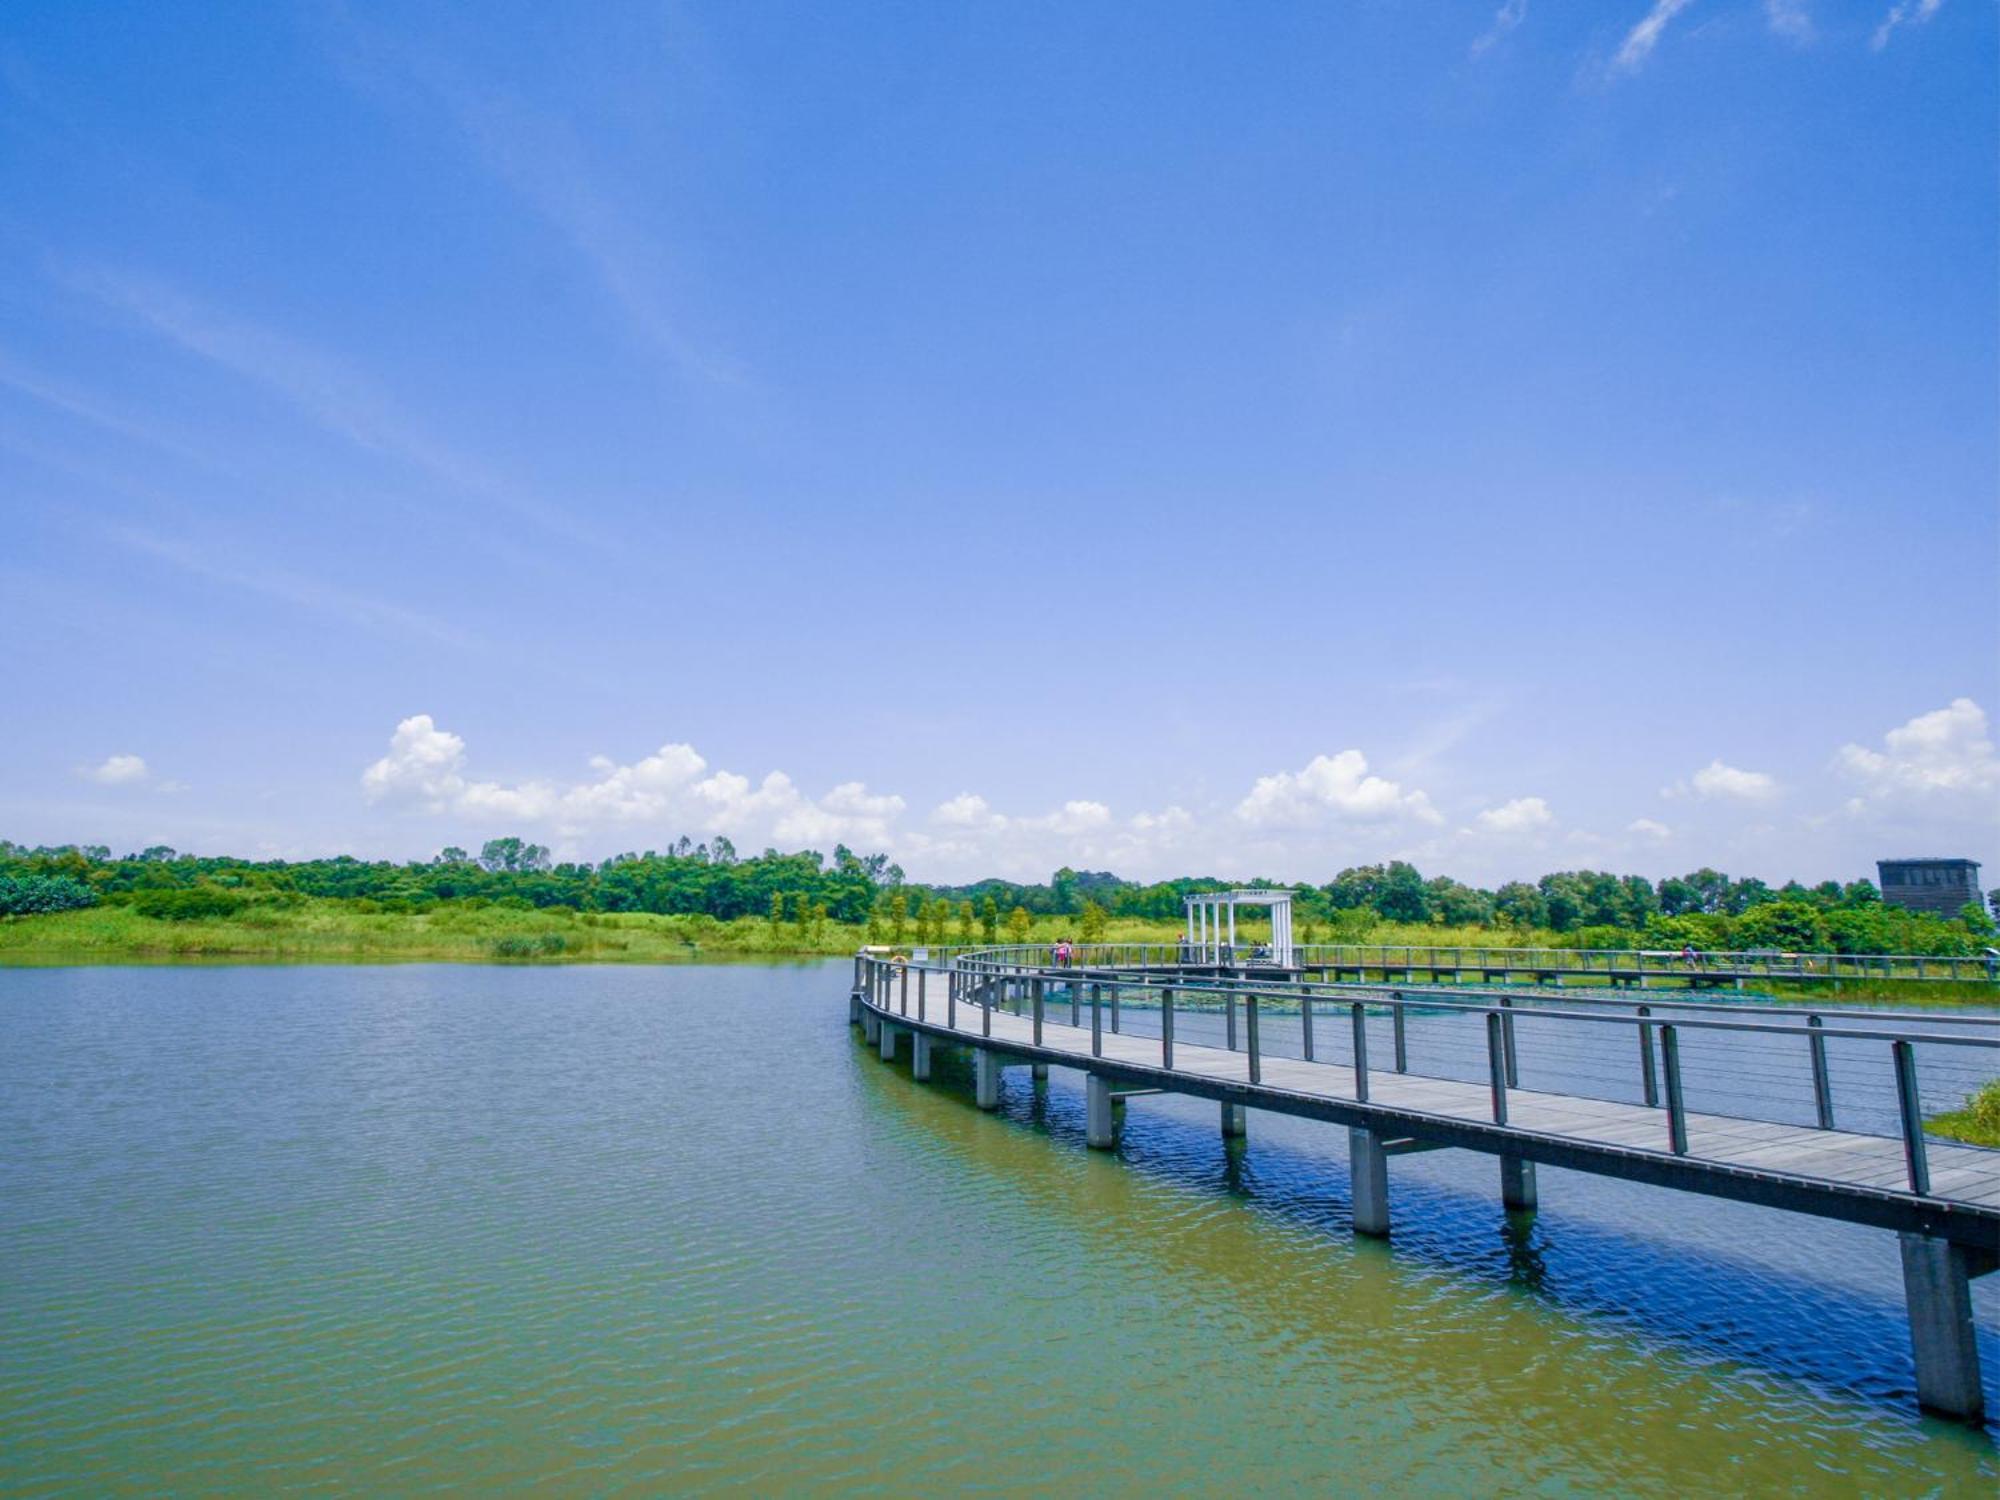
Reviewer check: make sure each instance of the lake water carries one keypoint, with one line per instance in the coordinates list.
(644, 1230)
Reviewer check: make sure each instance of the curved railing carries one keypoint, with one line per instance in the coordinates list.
(1613, 965)
(1855, 1070)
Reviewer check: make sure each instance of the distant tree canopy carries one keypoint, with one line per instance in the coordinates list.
(1705, 907)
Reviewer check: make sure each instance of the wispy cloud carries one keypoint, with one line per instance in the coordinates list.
(293, 589)
(316, 384)
(72, 402)
(1643, 38)
(1789, 19)
(546, 163)
(1904, 13)
(1511, 14)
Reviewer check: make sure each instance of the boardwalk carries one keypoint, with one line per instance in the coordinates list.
(1943, 1198)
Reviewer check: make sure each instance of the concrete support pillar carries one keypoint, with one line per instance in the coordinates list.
(871, 1027)
(1937, 1277)
(854, 1009)
(1233, 1123)
(1517, 1183)
(888, 1042)
(920, 1056)
(1038, 1071)
(1369, 1164)
(1098, 1132)
(986, 1078)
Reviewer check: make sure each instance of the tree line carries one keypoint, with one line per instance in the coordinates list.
(1707, 908)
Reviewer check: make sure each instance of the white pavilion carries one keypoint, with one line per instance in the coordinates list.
(1211, 925)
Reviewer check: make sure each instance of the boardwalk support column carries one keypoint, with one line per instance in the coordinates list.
(920, 1056)
(986, 1078)
(1232, 1120)
(888, 1042)
(1098, 1132)
(1937, 1284)
(1369, 1164)
(871, 1027)
(1517, 1183)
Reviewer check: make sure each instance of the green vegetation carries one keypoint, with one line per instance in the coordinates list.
(512, 902)
(1977, 1122)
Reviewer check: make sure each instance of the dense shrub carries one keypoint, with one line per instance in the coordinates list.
(545, 946)
(191, 905)
(34, 895)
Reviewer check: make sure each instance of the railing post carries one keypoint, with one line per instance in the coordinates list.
(1822, 1080)
(1166, 1028)
(1670, 1056)
(1229, 1022)
(1910, 1107)
(1361, 1052)
(1507, 1039)
(903, 992)
(951, 999)
(1038, 1011)
(1402, 1040)
(1647, 1075)
(1306, 1022)
(986, 1005)
(1075, 1001)
(1096, 1020)
(1250, 1026)
(1496, 1067)
(1114, 1008)
(922, 975)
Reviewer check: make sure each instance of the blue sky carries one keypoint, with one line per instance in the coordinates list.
(1168, 438)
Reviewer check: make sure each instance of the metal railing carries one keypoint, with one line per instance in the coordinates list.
(1703, 967)
(1700, 967)
(1106, 979)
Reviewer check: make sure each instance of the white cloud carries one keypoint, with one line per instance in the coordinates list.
(1641, 39)
(1944, 754)
(1790, 20)
(1331, 786)
(116, 770)
(1520, 815)
(666, 790)
(1511, 14)
(1650, 828)
(1904, 13)
(422, 765)
(967, 810)
(1717, 781)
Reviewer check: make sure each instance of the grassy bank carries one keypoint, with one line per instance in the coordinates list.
(333, 932)
(330, 930)
(1977, 1122)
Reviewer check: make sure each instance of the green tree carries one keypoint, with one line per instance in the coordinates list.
(1018, 924)
(967, 917)
(899, 918)
(1091, 922)
(989, 919)
(1519, 904)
